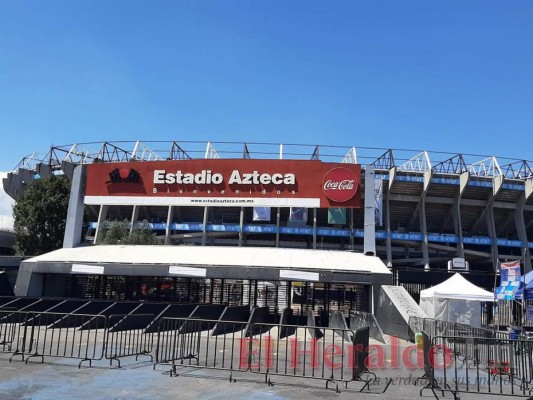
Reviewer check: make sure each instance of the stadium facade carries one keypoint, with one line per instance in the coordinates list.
(236, 220)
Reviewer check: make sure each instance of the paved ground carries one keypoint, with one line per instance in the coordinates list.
(61, 379)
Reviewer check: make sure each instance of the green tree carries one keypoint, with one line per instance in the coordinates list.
(40, 214)
(118, 232)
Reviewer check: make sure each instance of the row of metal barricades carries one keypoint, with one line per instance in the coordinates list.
(233, 339)
(459, 358)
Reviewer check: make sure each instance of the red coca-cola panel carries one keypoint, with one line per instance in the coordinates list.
(334, 184)
(340, 184)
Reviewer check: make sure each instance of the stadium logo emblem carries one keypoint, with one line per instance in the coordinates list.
(340, 184)
(124, 175)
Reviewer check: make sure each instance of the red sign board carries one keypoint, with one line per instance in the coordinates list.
(227, 182)
(340, 184)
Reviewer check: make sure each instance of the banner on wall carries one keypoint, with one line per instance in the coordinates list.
(225, 183)
(509, 280)
(298, 214)
(336, 216)
(261, 214)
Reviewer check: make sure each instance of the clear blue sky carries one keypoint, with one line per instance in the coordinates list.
(438, 75)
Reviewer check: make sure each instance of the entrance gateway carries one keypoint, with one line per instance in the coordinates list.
(219, 264)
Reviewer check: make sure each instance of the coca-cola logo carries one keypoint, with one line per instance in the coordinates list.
(340, 184)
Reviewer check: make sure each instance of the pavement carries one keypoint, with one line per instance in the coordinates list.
(62, 379)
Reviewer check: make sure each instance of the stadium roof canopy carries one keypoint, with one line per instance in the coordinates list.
(214, 262)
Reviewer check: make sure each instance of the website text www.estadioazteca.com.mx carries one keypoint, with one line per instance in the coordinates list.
(223, 201)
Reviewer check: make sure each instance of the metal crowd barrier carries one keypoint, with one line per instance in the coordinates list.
(187, 342)
(488, 366)
(126, 336)
(330, 354)
(86, 337)
(28, 334)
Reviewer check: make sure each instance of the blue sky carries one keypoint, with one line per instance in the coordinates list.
(453, 76)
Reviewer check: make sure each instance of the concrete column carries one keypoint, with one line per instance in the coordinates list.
(102, 215)
(458, 227)
(241, 225)
(204, 227)
(28, 282)
(497, 183)
(464, 178)
(423, 221)
(170, 216)
(76, 206)
(278, 216)
(134, 217)
(491, 227)
(521, 226)
(314, 228)
(352, 243)
(392, 176)
(370, 212)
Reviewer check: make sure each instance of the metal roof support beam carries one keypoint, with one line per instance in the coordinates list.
(455, 165)
(518, 170)
(487, 168)
(245, 152)
(316, 154)
(385, 161)
(419, 163)
(111, 153)
(177, 153)
(350, 157)
(74, 222)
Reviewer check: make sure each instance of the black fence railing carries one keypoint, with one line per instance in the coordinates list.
(334, 355)
(126, 336)
(32, 334)
(485, 366)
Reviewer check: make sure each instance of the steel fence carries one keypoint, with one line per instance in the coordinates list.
(30, 334)
(187, 342)
(336, 356)
(485, 366)
(126, 336)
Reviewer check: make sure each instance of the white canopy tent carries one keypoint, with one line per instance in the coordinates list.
(455, 300)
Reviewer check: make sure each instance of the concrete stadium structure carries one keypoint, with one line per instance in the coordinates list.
(415, 210)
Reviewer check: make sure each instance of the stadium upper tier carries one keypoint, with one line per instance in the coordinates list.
(435, 205)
